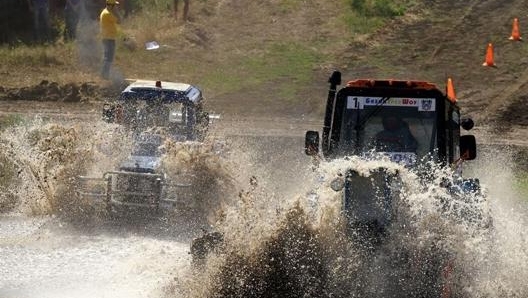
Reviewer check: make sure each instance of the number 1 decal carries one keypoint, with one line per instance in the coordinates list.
(355, 103)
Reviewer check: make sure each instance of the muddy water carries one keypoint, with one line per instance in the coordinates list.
(40, 258)
(54, 246)
(500, 271)
(279, 240)
(279, 247)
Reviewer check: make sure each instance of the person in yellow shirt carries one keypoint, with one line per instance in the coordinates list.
(108, 21)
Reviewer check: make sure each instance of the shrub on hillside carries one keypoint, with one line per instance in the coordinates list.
(378, 8)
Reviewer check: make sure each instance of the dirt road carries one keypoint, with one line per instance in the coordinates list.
(46, 257)
(233, 122)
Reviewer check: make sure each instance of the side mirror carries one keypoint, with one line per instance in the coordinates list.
(311, 143)
(467, 123)
(468, 147)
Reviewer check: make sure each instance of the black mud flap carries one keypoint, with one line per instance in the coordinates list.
(368, 203)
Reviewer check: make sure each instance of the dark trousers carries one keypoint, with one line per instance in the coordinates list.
(41, 22)
(185, 9)
(71, 19)
(108, 56)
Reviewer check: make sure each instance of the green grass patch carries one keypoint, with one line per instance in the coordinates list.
(288, 65)
(359, 24)
(379, 8)
(283, 66)
(289, 5)
(36, 56)
(366, 16)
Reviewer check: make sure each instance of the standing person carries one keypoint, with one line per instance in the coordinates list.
(128, 8)
(41, 23)
(72, 12)
(185, 9)
(108, 21)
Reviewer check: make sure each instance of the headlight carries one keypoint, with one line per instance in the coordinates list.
(337, 184)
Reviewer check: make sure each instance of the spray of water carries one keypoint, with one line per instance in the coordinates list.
(206, 171)
(47, 158)
(292, 248)
(500, 264)
(275, 246)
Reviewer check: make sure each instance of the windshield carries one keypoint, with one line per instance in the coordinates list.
(405, 126)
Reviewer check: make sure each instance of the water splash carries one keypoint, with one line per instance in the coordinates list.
(500, 264)
(205, 169)
(283, 248)
(46, 159)
(297, 245)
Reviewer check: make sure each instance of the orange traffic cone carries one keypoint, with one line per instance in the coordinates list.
(450, 90)
(489, 56)
(516, 34)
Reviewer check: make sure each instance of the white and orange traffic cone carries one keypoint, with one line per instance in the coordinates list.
(489, 56)
(516, 33)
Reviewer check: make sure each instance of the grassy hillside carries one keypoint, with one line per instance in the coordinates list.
(275, 52)
(275, 55)
(450, 39)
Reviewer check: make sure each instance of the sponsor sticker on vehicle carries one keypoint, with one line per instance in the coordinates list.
(360, 102)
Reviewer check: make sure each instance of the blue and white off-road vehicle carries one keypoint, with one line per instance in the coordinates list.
(151, 112)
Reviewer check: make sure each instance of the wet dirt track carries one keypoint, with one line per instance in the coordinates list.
(44, 257)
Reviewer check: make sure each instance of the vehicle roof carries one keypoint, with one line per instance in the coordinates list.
(149, 84)
(169, 91)
(407, 84)
(391, 88)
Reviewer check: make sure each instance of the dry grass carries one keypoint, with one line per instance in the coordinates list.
(227, 47)
(24, 65)
(8, 170)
